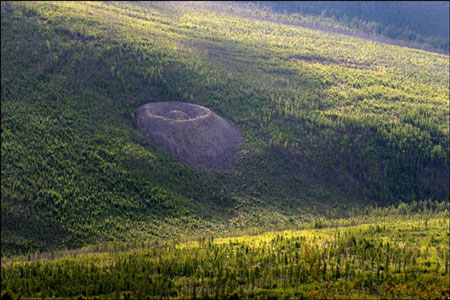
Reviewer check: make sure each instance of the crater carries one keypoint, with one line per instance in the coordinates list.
(176, 114)
(192, 133)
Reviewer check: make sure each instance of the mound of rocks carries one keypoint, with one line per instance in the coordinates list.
(192, 133)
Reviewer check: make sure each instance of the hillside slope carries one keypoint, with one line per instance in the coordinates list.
(328, 121)
(414, 23)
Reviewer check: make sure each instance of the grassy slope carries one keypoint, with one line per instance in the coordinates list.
(329, 122)
(421, 25)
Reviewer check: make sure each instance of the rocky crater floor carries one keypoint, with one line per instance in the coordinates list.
(192, 133)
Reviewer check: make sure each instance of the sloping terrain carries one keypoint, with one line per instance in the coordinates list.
(420, 24)
(321, 134)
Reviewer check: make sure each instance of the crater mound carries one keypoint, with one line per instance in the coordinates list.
(192, 133)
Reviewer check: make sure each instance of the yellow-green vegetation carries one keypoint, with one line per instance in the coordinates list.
(400, 252)
(419, 25)
(337, 131)
(330, 122)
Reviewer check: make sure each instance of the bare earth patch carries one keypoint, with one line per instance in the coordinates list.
(192, 133)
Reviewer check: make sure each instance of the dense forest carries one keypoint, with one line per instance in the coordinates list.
(338, 131)
(404, 255)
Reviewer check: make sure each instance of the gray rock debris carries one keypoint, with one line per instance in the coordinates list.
(192, 133)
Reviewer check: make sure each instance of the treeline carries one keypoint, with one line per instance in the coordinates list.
(395, 258)
(420, 22)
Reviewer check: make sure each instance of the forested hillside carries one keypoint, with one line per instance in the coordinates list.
(329, 122)
(386, 253)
